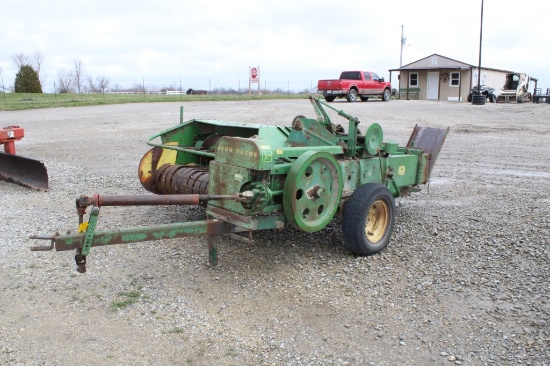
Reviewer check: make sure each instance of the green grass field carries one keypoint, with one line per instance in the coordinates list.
(20, 101)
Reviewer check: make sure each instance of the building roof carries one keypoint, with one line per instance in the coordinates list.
(438, 62)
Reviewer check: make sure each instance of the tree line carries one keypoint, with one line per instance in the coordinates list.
(30, 78)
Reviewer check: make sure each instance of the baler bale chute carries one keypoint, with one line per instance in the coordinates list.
(254, 177)
(18, 169)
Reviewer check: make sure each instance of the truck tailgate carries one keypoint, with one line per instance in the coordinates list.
(333, 84)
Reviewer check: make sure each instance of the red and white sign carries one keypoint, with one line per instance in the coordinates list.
(254, 74)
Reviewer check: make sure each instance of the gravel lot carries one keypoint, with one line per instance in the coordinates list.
(465, 280)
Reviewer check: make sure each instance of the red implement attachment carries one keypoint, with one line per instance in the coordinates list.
(16, 169)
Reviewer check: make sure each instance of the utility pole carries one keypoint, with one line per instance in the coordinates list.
(478, 98)
(403, 41)
(480, 39)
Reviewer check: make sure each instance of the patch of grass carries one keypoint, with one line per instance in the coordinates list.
(176, 330)
(232, 352)
(128, 298)
(21, 101)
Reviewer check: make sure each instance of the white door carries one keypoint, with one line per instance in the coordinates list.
(433, 86)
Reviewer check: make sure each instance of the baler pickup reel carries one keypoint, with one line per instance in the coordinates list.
(256, 177)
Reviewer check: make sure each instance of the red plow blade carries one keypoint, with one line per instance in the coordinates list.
(26, 172)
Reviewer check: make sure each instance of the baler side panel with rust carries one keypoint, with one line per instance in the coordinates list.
(227, 178)
(247, 153)
(371, 170)
(237, 179)
(403, 169)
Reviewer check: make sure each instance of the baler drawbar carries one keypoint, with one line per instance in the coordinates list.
(255, 177)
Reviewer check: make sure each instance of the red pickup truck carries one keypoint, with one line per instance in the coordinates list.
(353, 84)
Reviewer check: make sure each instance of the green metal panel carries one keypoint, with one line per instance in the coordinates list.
(294, 152)
(390, 147)
(371, 170)
(276, 136)
(309, 132)
(227, 178)
(350, 175)
(247, 153)
(404, 169)
(144, 233)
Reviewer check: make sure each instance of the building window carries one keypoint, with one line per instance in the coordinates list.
(413, 79)
(455, 79)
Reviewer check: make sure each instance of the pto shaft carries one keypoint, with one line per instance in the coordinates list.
(150, 200)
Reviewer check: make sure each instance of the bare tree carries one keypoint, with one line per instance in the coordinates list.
(91, 84)
(78, 74)
(37, 61)
(66, 81)
(20, 59)
(99, 85)
(138, 88)
(2, 86)
(117, 88)
(102, 82)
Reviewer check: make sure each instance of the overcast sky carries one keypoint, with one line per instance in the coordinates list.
(211, 44)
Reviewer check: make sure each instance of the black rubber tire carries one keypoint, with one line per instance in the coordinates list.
(469, 98)
(387, 95)
(352, 95)
(364, 99)
(368, 199)
(329, 98)
(479, 99)
(492, 98)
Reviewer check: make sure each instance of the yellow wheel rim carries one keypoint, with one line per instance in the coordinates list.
(377, 221)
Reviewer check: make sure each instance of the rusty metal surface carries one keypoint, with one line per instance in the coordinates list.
(137, 234)
(23, 171)
(142, 200)
(430, 140)
(182, 179)
(148, 167)
(102, 200)
(159, 174)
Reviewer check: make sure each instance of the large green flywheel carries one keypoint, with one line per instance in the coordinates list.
(312, 192)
